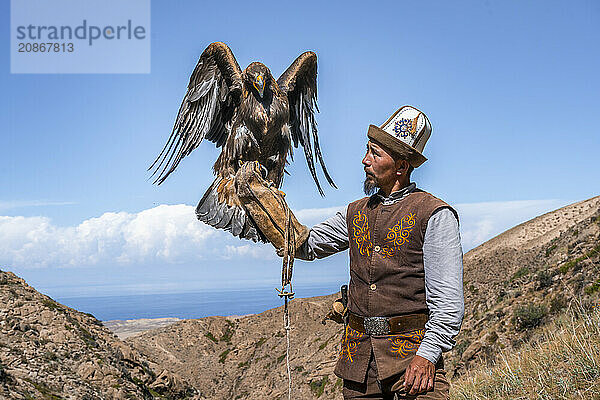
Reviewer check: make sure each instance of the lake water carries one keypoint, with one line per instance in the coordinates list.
(189, 305)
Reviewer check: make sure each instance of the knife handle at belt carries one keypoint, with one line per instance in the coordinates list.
(344, 292)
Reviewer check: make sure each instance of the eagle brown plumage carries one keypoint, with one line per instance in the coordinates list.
(252, 117)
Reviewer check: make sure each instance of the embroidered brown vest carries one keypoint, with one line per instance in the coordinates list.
(387, 278)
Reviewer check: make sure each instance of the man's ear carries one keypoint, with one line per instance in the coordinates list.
(402, 167)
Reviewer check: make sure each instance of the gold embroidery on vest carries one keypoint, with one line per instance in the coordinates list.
(349, 343)
(398, 235)
(388, 252)
(361, 234)
(403, 345)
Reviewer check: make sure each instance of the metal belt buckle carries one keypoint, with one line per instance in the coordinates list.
(376, 326)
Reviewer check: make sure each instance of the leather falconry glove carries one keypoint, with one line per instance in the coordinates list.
(266, 206)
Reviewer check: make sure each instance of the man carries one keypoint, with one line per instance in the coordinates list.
(405, 297)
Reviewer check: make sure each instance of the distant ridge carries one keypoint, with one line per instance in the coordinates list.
(541, 229)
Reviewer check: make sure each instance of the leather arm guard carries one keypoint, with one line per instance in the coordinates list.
(267, 207)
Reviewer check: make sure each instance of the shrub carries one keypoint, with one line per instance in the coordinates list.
(550, 250)
(338, 383)
(229, 331)
(492, 337)
(593, 288)
(3, 374)
(211, 337)
(574, 263)
(460, 347)
(529, 316)
(566, 266)
(318, 386)
(521, 272)
(501, 295)
(223, 356)
(557, 303)
(544, 279)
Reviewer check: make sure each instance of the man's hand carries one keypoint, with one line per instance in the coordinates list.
(418, 377)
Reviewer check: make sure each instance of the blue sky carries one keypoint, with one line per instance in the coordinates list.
(511, 89)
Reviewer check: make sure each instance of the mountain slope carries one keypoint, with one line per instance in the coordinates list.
(569, 345)
(50, 351)
(523, 277)
(244, 357)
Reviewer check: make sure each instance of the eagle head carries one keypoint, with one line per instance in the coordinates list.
(259, 76)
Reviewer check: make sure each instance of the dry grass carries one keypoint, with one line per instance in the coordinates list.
(564, 364)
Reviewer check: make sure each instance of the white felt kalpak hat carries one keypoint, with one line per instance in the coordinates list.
(405, 133)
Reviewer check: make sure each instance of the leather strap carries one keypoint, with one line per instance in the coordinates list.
(399, 324)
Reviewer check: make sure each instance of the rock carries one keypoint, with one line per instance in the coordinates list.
(471, 351)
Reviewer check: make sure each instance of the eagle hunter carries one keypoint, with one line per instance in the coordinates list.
(252, 117)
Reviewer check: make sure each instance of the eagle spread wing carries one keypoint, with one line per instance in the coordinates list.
(213, 94)
(246, 113)
(299, 81)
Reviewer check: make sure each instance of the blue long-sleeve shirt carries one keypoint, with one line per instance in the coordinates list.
(442, 261)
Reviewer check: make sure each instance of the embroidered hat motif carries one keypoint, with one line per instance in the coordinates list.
(405, 133)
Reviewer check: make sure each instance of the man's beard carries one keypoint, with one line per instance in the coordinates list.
(370, 185)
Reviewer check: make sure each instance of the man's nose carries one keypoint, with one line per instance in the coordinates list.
(366, 160)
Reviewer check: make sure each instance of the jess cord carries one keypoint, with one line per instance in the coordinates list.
(85, 31)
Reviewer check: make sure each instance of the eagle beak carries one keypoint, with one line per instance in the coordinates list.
(259, 85)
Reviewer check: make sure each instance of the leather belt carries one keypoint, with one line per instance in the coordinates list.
(387, 325)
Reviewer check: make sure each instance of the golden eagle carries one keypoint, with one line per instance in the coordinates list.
(252, 117)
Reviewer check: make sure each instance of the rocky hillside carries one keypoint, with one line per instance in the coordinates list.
(513, 284)
(244, 357)
(522, 278)
(49, 351)
(562, 363)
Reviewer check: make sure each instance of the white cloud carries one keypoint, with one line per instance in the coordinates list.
(171, 234)
(253, 250)
(480, 222)
(312, 216)
(165, 234)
